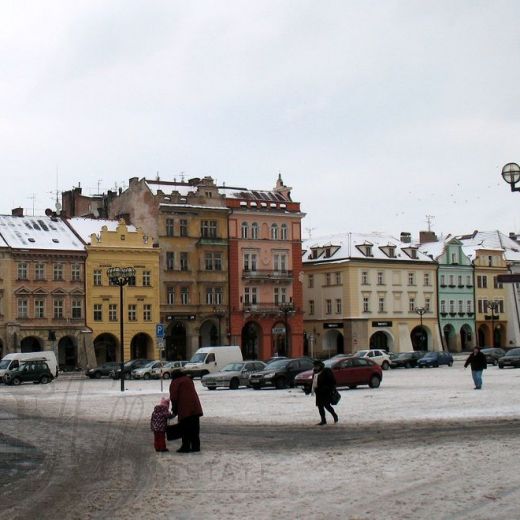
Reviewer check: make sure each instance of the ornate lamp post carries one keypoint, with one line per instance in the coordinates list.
(420, 311)
(511, 174)
(493, 306)
(121, 276)
(219, 314)
(286, 309)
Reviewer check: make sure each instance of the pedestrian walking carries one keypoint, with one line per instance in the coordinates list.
(323, 386)
(186, 405)
(158, 423)
(478, 363)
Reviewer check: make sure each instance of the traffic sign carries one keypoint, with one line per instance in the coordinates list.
(159, 330)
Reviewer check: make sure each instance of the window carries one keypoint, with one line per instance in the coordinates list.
(380, 278)
(170, 260)
(481, 307)
(338, 306)
(364, 278)
(280, 295)
(427, 279)
(23, 308)
(183, 227)
(328, 306)
(490, 261)
(469, 280)
(453, 258)
(427, 304)
(501, 306)
(213, 261)
(185, 296)
(469, 307)
(283, 232)
(77, 309)
(98, 312)
(338, 278)
(310, 281)
(170, 295)
(184, 261)
(214, 295)
(112, 312)
(327, 278)
(97, 277)
(311, 307)
(411, 278)
(482, 281)
(147, 312)
(249, 261)
(208, 229)
(280, 262)
(58, 309)
(411, 304)
(250, 295)
(169, 227)
(443, 280)
(381, 304)
(496, 283)
(461, 306)
(132, 312)
(58, 272)
(39, 271)
(131, 281)
(460, 280)
(366, 304)
(452, 306)
(39, 309)
(147, 278)
(254, 231)
(22, 271)
(245, 229)
(274, 231)
(75, 272)
(452, 281)
(443, 306)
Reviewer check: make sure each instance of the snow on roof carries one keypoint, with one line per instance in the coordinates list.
(256, 195)
(38, 233)
(352, 246)
(433, 249)
(167, 188)
(85, 227)
(490, 241)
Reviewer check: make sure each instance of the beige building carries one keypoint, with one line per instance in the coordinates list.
(366, 291)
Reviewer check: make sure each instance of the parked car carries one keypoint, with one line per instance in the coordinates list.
(493, 354)
(105, 369)
(435, 359)
(166, 370)
(145, 372)
(275, 358)
(280, 373)
(128, 367)
(33, 371)
(233, 375)
(348, 371)
(407, 359)
(379, 356)
(511, 359)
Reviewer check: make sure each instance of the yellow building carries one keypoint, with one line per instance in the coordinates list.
(114, 244)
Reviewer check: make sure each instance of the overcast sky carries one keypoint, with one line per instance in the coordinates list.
(377, 113)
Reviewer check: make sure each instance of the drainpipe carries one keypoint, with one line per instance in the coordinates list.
(437, 274)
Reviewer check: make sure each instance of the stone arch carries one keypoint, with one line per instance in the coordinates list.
(105, 348)
(382, 339)
(281, 339)
(498, 335)
(175, 341)
(141, 346)
(333, 342)
(67, 354)
(2, 352)
(450, 337)
(467, 338)
(484, 336)
(31, 344)
(420, 338)
(208, 334)
(251, 340)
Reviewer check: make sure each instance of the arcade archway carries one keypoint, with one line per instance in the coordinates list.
(450, 337)
(105, 347)
(208, 334)
(141, 346)
(467, 340)
(67, 354)
(419, 338)
(30, 344)
(381, 340)
(175, 342)
(333, 342)
(251, 340)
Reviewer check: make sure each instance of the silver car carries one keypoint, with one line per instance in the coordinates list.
(233, 375)
(146, 371)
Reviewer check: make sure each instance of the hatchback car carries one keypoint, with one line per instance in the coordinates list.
(29, 371)
(128, 367)
(166, 370)
(493, 354)
(406, 359)
(435, 359)
(281, 373)
(376, 355)
(349, 371)
(102, 370)
(145, 372)
(233, 375)
(511, 359)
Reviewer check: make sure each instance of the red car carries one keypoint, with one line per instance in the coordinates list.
(348, 371)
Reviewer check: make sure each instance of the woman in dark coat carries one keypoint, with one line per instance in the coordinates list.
(186, 405)
(478, 363)
(324, 385)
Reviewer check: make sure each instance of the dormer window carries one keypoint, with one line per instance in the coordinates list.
(366, 249)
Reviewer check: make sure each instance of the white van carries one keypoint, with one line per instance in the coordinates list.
(13, 360)
(212, 359)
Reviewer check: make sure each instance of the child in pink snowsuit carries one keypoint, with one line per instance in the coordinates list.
(158, 424)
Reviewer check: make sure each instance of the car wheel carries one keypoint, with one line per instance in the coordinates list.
(500, 366)
(97, 375)
(450, 364)
(352, 386)
(385, 365)
(212, 387)
(166, 375)
(374, 382)
(307, 390)
(495, 362)
(234, 384)
(16, 381)
(408, 365)
(146, 376)
(44, 380)
(436, 365)
(280, 383)
(202, 374)
(256, 387)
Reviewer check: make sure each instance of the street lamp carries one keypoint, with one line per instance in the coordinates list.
(219, 313)
(121, 276)
(420, 311)
(286, 309)
(493, 305)
(511, 174)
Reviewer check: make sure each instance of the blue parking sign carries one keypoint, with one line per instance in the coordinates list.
(159, 330)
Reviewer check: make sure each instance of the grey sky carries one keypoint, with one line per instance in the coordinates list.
(377, 113)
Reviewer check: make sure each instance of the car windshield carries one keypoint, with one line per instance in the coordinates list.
(198, 358)
(233, 367)
(360, 353)
(514, 352)
(277, 364)
(430, 355)
(4, 363)
(404, 355)
(149, 365)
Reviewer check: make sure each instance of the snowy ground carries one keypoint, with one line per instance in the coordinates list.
(423, 445)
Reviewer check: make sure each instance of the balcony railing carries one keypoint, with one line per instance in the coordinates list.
(266, 274)
(263, 308)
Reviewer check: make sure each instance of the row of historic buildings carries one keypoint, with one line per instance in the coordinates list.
(227, 265)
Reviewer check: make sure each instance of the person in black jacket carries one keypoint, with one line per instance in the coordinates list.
(478, 363)
(323, 385)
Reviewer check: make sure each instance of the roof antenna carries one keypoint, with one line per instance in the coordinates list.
(310, 230)
(429, 220)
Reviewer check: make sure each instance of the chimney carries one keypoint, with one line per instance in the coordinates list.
(427, 236)
(17, 212)
(406, 237)
(513, 236)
